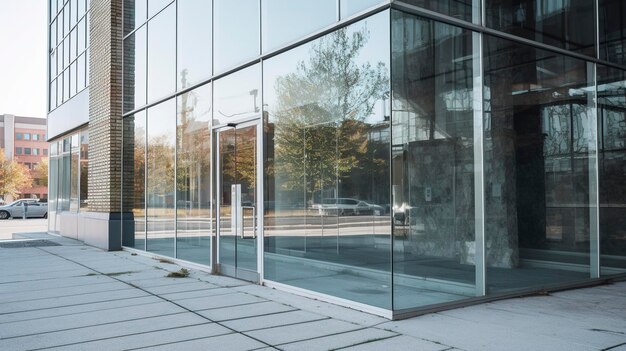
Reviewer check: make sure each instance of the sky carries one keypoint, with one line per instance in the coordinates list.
(23, 58)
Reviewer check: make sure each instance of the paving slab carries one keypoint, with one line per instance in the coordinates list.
(272, 320)
(86, 319)
(101, 332)
(171, 335)
(397, 343)
(243, 311)
(339, 341)
(302, 331)
(231, 342)
(77, 309)
(13, 307)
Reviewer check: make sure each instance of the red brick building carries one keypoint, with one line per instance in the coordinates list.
(24, 139)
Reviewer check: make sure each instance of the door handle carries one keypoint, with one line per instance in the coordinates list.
(253, 221)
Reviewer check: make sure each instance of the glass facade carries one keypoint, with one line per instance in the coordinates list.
(67, 176)
(395, 160)
(69, 47)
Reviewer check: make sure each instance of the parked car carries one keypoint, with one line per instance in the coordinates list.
(33, 207)
(347, 206)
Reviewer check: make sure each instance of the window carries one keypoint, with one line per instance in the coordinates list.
(45, 152)
(194, 49)
(236, 32)
(35, 151)
(35, 137)
(19, 136)
(28, 165)
(27, 151)
(162, 54)
(26, 136)
(18, 150)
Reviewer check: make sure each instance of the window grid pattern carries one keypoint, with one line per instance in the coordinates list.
(68, 50)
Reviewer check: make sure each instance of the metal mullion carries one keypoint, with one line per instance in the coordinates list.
(594, 183)
(145, 183)
(175, 128)
(260, 217)
(479, 171)
(391, 173)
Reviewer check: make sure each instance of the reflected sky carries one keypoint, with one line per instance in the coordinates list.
(194, 42)
(287, 20)
(162, 54)
(238, 95)
(236, 32)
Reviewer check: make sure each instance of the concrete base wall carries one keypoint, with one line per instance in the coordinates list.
(102, 230)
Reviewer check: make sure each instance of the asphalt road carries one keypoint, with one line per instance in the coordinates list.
(31, 225)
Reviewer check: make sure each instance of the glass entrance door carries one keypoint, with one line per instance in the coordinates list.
(237, 201)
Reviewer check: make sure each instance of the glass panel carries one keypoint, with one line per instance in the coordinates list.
(432, 162)
(81, 31)
(227, 166)
(134, 178)
(193, 183)
(237, 96)
(135, 70)
(73, 12)
(287, 20)
(80, 72)
(155, 6)
(467, 10)
(73, 44)
(612, 166)
(236, 37)
(84, 169)
(53, 95)
(327, 222)
(194, 42)
(74, 169)
(81, 8)
(160, 178)
(539, 136)
(66, 82)
(568, 24)
(53, 34)
(612, 14)
(60, 58)
(73, 79)
(59, 21)
(350, 7)
(162, 54)
(60, 90)
(135, 13)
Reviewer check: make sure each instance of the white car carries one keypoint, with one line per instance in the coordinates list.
(33, 208)
(347, 206)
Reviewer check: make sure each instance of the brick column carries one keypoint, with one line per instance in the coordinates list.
(102, 227)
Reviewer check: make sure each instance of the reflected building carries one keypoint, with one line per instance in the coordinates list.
(396, 157)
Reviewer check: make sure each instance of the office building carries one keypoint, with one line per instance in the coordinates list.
(393, 156)
(24, 139)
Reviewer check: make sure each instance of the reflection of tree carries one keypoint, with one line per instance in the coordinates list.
(194, 142)
(160, 165)
(238, 150)
(139, 166)
(321, 130)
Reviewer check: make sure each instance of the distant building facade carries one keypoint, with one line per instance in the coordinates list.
(24, 140)
(396, 156)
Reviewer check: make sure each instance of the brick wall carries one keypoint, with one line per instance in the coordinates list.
(105, 105)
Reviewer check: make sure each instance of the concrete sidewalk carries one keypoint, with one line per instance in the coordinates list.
(75, 297)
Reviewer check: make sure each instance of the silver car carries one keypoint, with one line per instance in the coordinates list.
(16, 209)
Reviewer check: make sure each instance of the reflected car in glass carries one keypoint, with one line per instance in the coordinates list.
(33, 208)
(347, 206)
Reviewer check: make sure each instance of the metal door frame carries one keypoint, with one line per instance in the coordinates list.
(234, 271)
